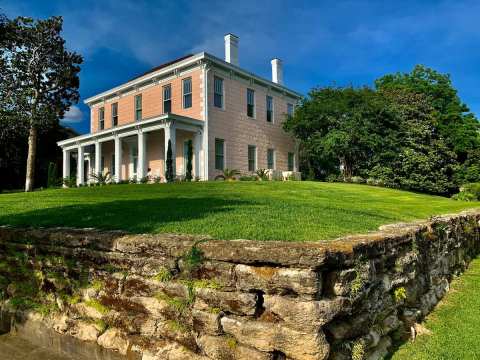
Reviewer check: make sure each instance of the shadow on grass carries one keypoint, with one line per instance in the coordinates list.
(137, 216)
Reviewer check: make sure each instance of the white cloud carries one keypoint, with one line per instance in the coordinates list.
(73, 115)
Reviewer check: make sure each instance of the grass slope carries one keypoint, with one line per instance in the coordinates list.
(454, 323)
(228, 210)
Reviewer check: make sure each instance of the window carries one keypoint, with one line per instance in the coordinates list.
(101, 118)
(252, 158)
(102, 164)
(219, 154)
(187, 93)
(269, 109)
(290, 109)
(114, 114)
(218, 92)
(291, 161)
(271, 159)
(138, 107)
(167, 99)
(113, 165)
(250, 103)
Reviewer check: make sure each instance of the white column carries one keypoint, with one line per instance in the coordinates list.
(197, 143)
(170, 134)
(118, 159)
(98, 158)
(66, 165)
(80, 165)
(141, 155)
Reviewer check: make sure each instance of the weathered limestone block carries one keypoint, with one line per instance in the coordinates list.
(305, 315)
(87, 311)
(234, 302)
(60, 323)
(221, 272)
(171, 351)
(206, 322)
(278, 280)
(154, 306)
(350, 327)
(269, 337)
(338, 282)
(226, 348)
(84, 331)
(381, 350)
(114, 339)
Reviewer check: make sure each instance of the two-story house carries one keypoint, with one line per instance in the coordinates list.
(233, 117)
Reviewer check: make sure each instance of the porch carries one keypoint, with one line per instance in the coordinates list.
(137, 150)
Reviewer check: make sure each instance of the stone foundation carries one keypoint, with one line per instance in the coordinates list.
(184, 297)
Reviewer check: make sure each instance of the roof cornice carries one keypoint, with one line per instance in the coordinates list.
(199, 58)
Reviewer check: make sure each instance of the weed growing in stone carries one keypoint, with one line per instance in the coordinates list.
(358, 350)
(400, 294)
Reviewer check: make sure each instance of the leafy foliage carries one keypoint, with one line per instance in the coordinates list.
(228, 175)
(38, 79)
(262, 174)
(410, 132)
(188, 175)
(169, 164)
(102, 178)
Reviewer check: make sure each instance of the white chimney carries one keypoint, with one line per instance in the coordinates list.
(231, 49)
(277, 71)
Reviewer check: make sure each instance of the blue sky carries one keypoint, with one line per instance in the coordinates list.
(320, 42)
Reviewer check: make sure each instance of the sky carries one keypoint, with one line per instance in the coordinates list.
(321, 43)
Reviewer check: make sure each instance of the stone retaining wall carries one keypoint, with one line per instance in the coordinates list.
(183, 297)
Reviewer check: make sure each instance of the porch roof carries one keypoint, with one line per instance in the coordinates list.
(146, 125)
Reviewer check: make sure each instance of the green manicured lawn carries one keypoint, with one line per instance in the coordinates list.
(454, 324)
(228, 210)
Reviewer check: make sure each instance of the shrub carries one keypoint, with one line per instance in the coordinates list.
(157, 179)
(188, 175)
(228, 175)
(262, 174)
(102, 178)
(132, 180)
(468, 192)
(70, 181)
(357, 180)
(333, 178)
(52, 179)
(144, 180)
(400, 294)
(169, 176)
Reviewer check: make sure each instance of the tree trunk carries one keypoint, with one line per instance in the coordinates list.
(32, 153)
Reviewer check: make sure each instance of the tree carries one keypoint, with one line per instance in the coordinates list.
(169, 164)
(188, 174)
(455, 123)
(39, 79)
(341, 128)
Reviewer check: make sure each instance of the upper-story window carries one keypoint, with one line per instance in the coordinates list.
(167, 99)
(290, 109)
(218, 92)
(269, 109)
(114, 114)
(138, 107)
(250, 103)
(187, 93)
(101, 118)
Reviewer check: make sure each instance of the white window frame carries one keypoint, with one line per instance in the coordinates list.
(138, 109)
(112, 106)
(224, 154)
(274, 159)
(185, 94)
(273, 108)
(223, 92)
(101, 118)
(254, 115)
(255, 159)
(164, 87)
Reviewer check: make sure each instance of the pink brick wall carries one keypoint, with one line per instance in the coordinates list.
(238, 130)
(152, 102)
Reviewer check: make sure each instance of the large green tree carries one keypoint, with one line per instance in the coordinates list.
(455, 123)
(39, 79)
(341, 128)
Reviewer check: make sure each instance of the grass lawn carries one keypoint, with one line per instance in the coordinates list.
(227, 210)
(454, 323)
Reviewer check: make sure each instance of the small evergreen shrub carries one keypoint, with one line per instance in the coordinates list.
(468, 192)
(169, 164)
(262, 174)
(357, 180)
(188, 175)
(52, 178)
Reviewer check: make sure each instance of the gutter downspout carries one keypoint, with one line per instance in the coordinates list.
(206, 69)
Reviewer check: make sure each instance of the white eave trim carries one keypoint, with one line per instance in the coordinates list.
(185, 63)
(131, 126)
